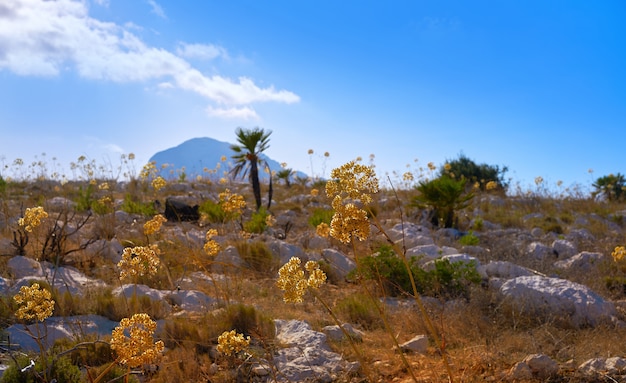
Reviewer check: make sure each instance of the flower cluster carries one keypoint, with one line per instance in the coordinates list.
(139, 260)
(154, 225)
(292, 281)
(232, 202)
(211, 247)
(34, 302)
(158, 183)
(350, 183)
(148, 170)
(323, 230)
(230, 342)
(315, 192)
(132, 341)
(32, 218)
(270, 220)
(619, 253)
(491, 185)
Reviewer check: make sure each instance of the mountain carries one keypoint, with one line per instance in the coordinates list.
(202, 156)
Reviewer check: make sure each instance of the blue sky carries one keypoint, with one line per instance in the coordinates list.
(538, 86)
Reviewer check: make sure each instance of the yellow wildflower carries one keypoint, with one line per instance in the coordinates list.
(232, 202)
(132, 340)
(223, 158)
(139, 260)
(323, 230)
(211, 247)
(326, 154)
(158, 183)
(315, 192)
(310, 151)
(103, 186)
(619, 253)
(292, 281)
(223, 181)
(538, 180)
(349, 222)
(230, 342)
(270, 220)
(352, 181)
(154, 225)
(447, 167)
(491, 185)
(431, 166)
(408, 176)
(32, 218)
(34, 302)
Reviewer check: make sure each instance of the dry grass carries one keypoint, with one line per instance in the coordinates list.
(482, 338)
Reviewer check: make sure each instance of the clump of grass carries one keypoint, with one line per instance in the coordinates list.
(320, 215)
(132, 205)
(257, 256)
(360, 310)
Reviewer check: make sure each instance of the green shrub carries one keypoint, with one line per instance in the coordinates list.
(62, 370)
(213, 212)
(132, 205)
(258, 222)
(465, 168)
(469, 239)
(320, 215)
(84, 200)
(257, 256)
(3, 186)
(444, 196)
(478, 224)
(612, 187)
(446, 280)
(359, 309)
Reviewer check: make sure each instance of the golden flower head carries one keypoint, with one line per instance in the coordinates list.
(431, 166)
(232, 202)
(32, 218)
(223, 181)
(223, 158)
(408, 176)
(148, 170)
(315, 192)
(619, 253)
(349, 222)
(491, 185)
(323, 230)
(158, 183)
(154, 225)
(35, 303)
(230, 342)
(538, 180)
(447, 167)
(352, 181)
(133, 340)
(292, 281)
(326, 154)
(211, 247)
(270, 220)
(103, 186)
(139, 260)
(310, 151)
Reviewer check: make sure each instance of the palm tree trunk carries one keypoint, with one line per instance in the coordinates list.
(256, 187)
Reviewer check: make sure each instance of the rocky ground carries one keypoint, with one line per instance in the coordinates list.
(544, 310)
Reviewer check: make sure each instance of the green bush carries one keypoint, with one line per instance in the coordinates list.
(132, 205)
(257, 223)
(445, 196)
(213, 212)
(62, 370)
(469, 239)
(446, 280)
(84, 200)
(467, 169)
(612, 187)
(320, 215)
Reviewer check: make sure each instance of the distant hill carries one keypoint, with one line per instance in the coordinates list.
(197, 154)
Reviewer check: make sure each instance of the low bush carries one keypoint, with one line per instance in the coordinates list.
(258, 257)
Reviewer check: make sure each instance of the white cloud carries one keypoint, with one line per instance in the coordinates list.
(42, 38)
(201, 51)
(244, 113)
(157, 9)
(114, 148)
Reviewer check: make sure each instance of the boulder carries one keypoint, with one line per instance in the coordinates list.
(603, 366)
(192, 300)
(307, 355)
(340, 263)
(178, 211)
(583, 262)
(563, 248)
(21, 267)
(558, 299)
(335, 334)
(539, 251)
(417, 344)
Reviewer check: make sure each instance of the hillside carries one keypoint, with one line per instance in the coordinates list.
(198, 156)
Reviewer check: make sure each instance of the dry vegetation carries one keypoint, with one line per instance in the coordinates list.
(482, 337)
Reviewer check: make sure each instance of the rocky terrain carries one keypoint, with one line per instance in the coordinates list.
(549, 305)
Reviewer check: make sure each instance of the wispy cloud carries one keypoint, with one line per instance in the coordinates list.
(201, 51)
(44, 38)
(243, 113)
(157, 9)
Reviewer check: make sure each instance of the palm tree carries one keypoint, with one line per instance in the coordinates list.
(285, 175)
(252, 142)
